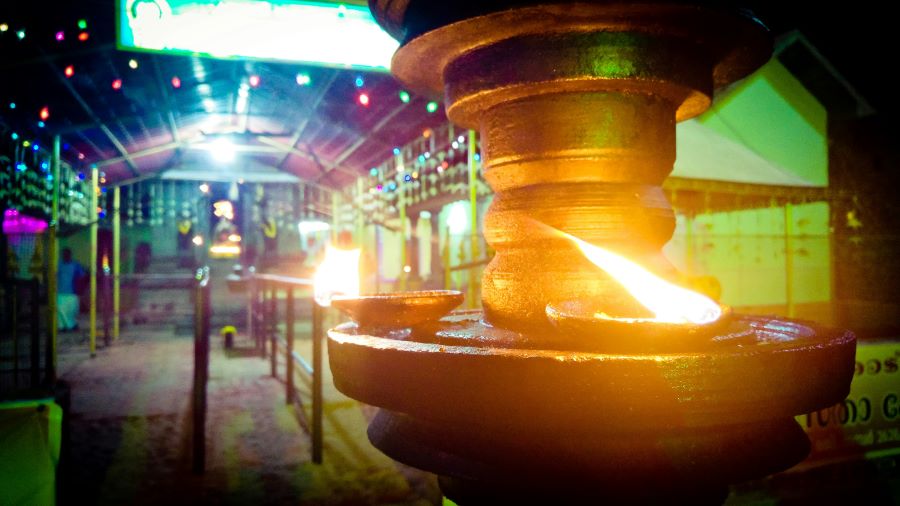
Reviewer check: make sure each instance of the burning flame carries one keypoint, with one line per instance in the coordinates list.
(669, 303)
(338, 274)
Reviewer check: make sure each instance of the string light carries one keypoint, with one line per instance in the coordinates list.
(82, 24)
(15, 136)
(176, 82)
(303, 79)
(60, 36)
(20, 34)
(359, 82)
(133, 63)
(4, 27)
(41, 124)
(12, 105)
(363, 99)
(404, 96)
(26, 143)
(254, 80)
(431, 106)
(373, 171)
(35, 147)
(83, 36)
(81, 156)
(69, 71)
(117, 84)
(396, 151)
(45, 113)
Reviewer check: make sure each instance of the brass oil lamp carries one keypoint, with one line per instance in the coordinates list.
(565, 388)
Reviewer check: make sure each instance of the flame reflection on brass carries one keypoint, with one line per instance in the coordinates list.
(338, 274)
(669, 303)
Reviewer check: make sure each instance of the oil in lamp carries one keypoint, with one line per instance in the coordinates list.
(568, 385)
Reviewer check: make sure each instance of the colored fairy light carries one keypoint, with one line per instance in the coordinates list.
(363, 99)
(396, 151)
(69, 70)
(83, 36)
(15, 136)
(81, 156)
(303, 79)
(21, 167)
(12, 105)
(132, 63)
(60, 36)
(254, 80)
(477, 157)
(82, 24)
(461, 139)
(431, 106)
(117, 84)
(81, 176)
(4, 27)
(454, 145)
(20, 34)
(45, 165)
(404, 96)
(359, 82)
(26, 143)
(41, 124)
(66, 146)
(407, 178)
(176, 82)
(373, 171)
(415, 174)
(392, 186)
(45, 113)
(35, 147)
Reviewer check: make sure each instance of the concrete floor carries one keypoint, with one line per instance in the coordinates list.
(130, 431)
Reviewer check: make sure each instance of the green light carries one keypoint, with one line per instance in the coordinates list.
(15, 136)
(431, 106)
(12, 105)
(404, 96)
(303, 79)
(82, 24)
(20, 34)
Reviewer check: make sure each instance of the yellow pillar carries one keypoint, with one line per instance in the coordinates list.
(401, 206)
(358, 213)
(473, 217)
(53, 260)
(117, 257)
(93, 267)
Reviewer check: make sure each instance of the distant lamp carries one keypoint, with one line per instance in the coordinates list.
(204, 187)
(197, 240)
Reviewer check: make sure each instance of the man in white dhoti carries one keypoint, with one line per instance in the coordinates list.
(66, 298)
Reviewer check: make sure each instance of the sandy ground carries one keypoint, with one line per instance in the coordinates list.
(130, 432)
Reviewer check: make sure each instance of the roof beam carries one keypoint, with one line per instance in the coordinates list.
(170, 116)
(90, 112)
(362, 140)
(310, 111)
(291, 150)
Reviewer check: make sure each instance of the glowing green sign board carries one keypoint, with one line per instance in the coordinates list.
(331, 34)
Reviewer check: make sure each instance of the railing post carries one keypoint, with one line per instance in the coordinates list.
(201, 368)
(273, 335)
(317, 383)
(35, 332)
(251, 305)
(289, 349)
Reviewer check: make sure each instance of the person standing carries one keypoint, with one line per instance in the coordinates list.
(67, 304)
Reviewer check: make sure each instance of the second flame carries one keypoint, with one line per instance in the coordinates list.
(668, 302)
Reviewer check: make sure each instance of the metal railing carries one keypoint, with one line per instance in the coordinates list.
(26, 354)
(202, 316)
(262, 311)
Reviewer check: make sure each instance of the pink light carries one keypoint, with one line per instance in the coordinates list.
(70, 71)
(176, 82)
(117, 84)
(254, 80)
(363, 99)
(60, 36)
(15, 222)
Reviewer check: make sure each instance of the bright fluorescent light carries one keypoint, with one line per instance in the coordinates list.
(222, 150)
(307, 227)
